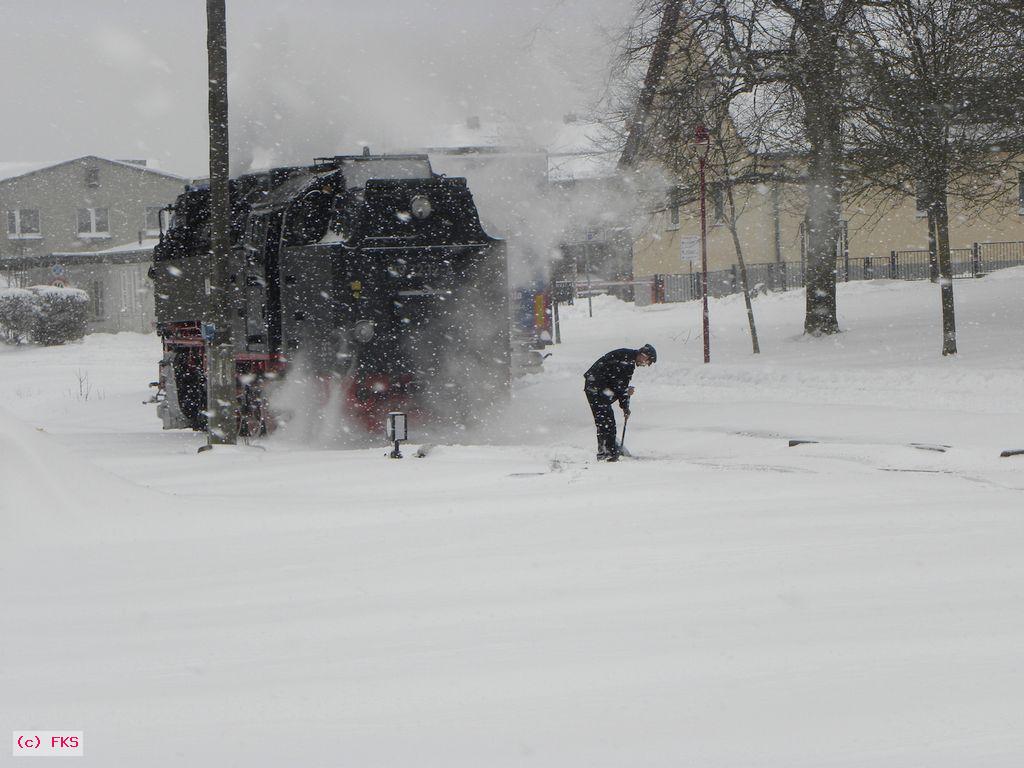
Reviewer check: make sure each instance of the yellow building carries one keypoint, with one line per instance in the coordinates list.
(769, 229)
(661, 153)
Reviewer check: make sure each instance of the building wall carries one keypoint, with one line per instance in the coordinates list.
(904, 229)
(659, 245)
(120, 295)
(874, 229)
(59, 191)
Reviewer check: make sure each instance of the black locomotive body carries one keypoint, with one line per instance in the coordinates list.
(369, 273)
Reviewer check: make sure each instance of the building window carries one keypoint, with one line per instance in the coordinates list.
(718, 203)
(96, 299)
(23, 224)
(93, 222)
(92, 177)
(153, 219)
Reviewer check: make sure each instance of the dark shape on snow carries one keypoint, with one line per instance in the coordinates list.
(930, 447)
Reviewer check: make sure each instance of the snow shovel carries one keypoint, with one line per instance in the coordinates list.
(622, 442)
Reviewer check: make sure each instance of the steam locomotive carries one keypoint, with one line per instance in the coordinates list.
(369, 273)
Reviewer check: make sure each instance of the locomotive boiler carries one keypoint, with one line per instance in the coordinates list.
(370, 274)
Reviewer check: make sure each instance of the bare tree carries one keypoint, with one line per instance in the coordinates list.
(687, 95)
(799, 50)
(645, 128)
(941, 91)
(787, 61)
(727, 161)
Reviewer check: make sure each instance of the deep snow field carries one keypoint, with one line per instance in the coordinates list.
(723, 600)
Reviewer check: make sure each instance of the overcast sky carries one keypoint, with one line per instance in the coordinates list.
(127, 78)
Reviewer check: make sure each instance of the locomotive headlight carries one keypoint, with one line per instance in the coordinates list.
(363, 331)
(421, 207)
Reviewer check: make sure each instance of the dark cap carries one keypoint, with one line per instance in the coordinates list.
(649, 350)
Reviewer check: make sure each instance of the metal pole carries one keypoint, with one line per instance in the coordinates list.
(776, 219)
(704, 260)
(220, 364)
(554, 320)
(590, 293)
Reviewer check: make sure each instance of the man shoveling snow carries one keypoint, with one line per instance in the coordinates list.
(606, 381)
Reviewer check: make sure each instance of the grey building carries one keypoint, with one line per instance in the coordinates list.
(120, 291)
(87, 223)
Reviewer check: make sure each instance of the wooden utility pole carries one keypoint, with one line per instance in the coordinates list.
(220, 363)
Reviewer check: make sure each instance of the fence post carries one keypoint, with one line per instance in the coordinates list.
(892, 265)
(975, 259)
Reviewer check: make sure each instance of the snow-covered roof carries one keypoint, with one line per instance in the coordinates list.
(598, 165)
(14, 169)
(581, 150)
(129, 253)
(146, 245)
(143, 165)
(484, 134)
(575, 149)
(11, 170)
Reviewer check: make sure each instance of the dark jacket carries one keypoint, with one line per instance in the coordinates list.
(611, 374)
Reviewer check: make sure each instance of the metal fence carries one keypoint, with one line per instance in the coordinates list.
(1000, 255)
(975, 261)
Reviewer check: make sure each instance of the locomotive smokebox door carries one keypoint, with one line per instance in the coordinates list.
(397, 431)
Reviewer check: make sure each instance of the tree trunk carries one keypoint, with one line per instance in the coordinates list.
(822, 225)
(744, 284)
(945, 272)
(821, 97)
(933, 249)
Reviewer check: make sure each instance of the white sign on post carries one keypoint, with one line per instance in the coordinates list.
(689, 249)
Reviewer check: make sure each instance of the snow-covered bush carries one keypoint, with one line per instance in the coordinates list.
(18, 311)
(62, 314)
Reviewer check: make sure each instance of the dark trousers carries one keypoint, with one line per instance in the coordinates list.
(604, 420)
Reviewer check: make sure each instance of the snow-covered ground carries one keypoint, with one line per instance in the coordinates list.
(724, 600)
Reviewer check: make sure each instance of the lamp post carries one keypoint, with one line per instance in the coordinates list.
(586, 256)
(701, 137)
